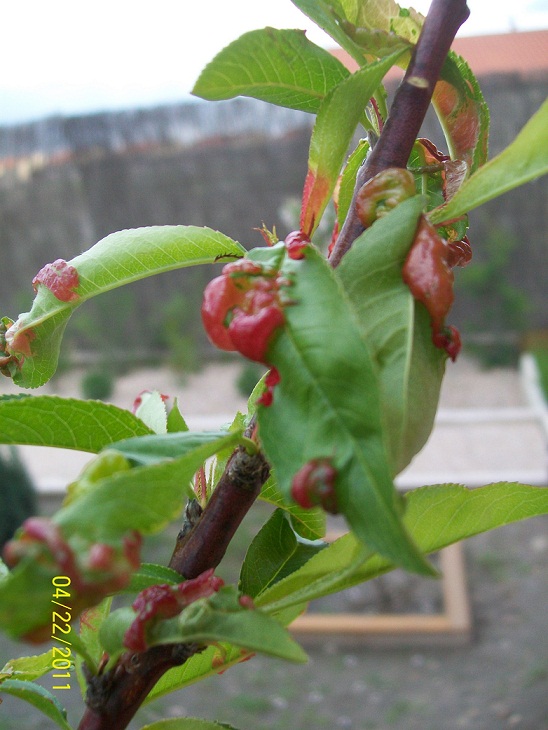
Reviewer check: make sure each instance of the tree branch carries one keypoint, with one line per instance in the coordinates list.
(409, 107)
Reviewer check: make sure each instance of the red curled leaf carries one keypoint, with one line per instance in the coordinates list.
(379, 195)
(314, 484)
(429, 277)
(166, 601)
(60, 278)
(252, 333)
(241, 309)
(316, 190)
(272, 379)
(296, 243)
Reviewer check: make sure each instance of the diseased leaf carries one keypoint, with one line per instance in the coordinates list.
(327, 406)
(207, 620)
(525, 159)
(462, 111)
(336, 123)
(36, 695)
(278, 66)
(152, 411)
(33, 341)
(396, 330)
(67, 423)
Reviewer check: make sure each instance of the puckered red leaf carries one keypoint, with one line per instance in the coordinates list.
(67, 423)
(462, 112)
(327, 405)
(221, 617)
(121, 258)
(525, 159)
(279, 66)
(396, 329)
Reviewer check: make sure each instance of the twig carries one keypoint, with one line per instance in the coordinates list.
(409, 107)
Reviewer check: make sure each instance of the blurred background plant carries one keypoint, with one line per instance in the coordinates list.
(17, 496)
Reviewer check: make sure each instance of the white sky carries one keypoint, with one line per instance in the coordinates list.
(69, 56)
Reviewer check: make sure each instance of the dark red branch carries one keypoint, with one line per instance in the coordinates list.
(238, 488)
(409, 107)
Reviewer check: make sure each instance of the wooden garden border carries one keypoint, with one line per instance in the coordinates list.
(452, 626)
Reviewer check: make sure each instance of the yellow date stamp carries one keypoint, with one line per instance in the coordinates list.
(61, 616)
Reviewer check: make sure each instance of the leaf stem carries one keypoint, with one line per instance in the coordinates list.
(409, 107)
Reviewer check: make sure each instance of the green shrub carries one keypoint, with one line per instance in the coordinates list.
(17, 495)
(97, 384)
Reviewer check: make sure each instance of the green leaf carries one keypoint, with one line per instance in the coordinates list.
(152, 411)
(27, 668)
(67, 423)
(328, 405)
(319, 576)
(208, 620)
(36, 695)
(274, 552)
(175, 419)
(348, 180)
(154, 448)
(436, 516)
(308, 523)
(336, 123)
(18, 614)
(212, 661)
(144, 498)
(120, 258)
(525, 159)
(396, 330)
(278, 66)
(91, 621)
(327, 16)
(187, 723)
(150, 574)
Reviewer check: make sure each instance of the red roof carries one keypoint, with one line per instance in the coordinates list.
(524, 53)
